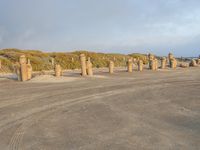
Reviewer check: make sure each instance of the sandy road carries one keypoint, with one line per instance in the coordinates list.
(122, 111)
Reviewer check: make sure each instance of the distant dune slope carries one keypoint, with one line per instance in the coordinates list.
(68, 60)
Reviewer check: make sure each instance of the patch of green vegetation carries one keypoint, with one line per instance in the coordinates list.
(7, 63)
(42, 61)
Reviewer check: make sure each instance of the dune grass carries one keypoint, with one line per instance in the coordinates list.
(69, 60)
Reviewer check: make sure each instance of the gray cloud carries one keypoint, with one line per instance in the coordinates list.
(121, 26)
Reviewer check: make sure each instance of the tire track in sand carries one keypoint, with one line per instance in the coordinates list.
(18, 135)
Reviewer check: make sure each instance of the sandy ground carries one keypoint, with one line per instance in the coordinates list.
(124, 111)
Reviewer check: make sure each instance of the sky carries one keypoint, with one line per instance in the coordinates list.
(118, 26)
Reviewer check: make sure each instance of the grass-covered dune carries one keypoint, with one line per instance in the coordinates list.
(69, 60)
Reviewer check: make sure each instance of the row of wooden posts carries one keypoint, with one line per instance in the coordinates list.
(24, 72)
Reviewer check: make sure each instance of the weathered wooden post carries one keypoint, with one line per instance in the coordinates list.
(58, 70)
(23, 68)
(163, 62)
(170, 57)
(22, 59)
(89, 67)
(83, 65)
(173, 63)
(198, 61)
(151, 62)
(130, 65)
(156, 64)
(29, 70)
(111, 67)
(193, 63)
(140, 65)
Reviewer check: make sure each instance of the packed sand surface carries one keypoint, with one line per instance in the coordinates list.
(52, 79)
(124, 111)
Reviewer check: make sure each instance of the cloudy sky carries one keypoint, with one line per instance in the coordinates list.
(120, 26)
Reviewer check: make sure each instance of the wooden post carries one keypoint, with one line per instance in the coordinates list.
(173, 63)
(23, 68)
(156, 64)
(193, 63)
(29, 71)
(83, 65)
(89, 67)
(163, 62)
(57, 70)
(140, 65)
(170, 58)
(130, 65)
(111, 67)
